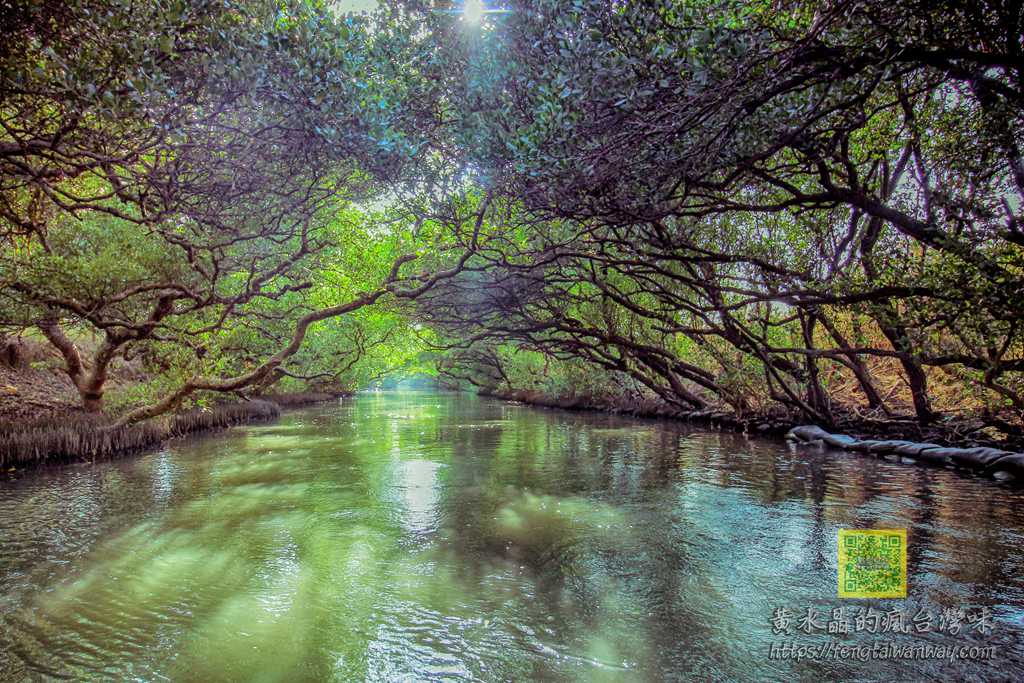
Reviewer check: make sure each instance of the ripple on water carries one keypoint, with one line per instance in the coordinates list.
(452, 538)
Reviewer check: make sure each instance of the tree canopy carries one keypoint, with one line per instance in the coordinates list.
(804, 210)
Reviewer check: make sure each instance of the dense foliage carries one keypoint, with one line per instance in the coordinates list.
(805, 208)
(808, 210)
(182, 187)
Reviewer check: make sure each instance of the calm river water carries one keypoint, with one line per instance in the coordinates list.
(418, 536)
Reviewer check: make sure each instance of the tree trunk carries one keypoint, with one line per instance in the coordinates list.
(916, 378)
(89, 382)
(887, 317)
(817, 397)
(857, 366)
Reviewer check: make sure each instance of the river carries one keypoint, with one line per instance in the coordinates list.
(421, 536)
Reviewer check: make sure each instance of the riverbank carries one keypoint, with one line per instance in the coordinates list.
(959, 444)
(76, 436)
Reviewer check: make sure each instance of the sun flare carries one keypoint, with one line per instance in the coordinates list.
(473, 11)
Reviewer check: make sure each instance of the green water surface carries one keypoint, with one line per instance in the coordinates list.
(420, 536)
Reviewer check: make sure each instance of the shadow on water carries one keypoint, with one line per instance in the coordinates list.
(443, 536)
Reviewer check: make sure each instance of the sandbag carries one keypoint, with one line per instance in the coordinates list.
(937, 456)
(978, 458)
(1012, 463)
(912, 449)
(839, 441)
(806, 433)
(997, 463)
(888, 446)
(864, 446)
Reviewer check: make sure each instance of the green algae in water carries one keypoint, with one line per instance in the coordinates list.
(417, 536)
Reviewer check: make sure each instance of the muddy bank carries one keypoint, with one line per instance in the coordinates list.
(78, 436)
(28, 393)
(643, 408)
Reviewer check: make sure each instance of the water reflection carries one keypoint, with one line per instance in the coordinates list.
(430, 536)
(417, 482)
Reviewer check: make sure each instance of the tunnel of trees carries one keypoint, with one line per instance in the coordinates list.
(776, 210)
